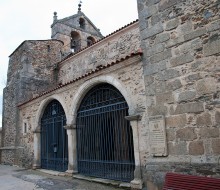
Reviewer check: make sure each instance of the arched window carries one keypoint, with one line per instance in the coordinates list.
(90, 41)
(82, 23)
(75, 44)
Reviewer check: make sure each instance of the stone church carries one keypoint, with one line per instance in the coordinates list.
(130, 106)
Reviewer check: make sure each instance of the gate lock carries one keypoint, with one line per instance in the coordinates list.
(55, 148)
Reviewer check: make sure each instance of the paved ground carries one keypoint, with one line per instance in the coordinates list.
(14, 178)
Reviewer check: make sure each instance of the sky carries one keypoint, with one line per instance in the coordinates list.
(31, 20)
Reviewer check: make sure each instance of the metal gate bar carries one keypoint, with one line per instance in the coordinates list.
(104, 137)
(54, 147)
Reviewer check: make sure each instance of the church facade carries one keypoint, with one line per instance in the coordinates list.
(131, 106)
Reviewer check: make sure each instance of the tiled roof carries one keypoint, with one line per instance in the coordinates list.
(85, 75)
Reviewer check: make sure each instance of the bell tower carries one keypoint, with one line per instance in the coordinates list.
(76, 31)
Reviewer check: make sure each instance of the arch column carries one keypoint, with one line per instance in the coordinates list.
(137, 183)
(72, 148)
(37, 148)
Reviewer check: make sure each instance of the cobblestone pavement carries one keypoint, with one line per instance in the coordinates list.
(15, 178)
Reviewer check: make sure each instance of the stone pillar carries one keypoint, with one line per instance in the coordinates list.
(137, 183)
(72, 149)
(37, 149)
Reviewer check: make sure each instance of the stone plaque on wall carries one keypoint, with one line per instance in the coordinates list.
(158, 142)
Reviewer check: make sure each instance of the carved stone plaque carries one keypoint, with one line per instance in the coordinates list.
(158, 142)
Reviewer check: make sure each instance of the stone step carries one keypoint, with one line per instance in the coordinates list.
(118, 184)
(103, 181)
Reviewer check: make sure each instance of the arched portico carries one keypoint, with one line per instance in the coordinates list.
(104, 136)
(54, 145)
(43, 105)
(71, 116)
(85, 87)
(37, 131)
(133, 117)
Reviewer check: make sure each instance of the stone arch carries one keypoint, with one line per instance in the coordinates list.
(85, 87)
(90, 40)
(104, 135)
(75, 43)
(44, 104)
(37, 129)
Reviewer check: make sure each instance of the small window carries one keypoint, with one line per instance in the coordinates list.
(48, 48)
(82, 23)
(25, 128)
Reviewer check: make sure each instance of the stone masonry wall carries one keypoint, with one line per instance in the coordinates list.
(129, 73)
(30, 72)
(107, 51)
(181, 44)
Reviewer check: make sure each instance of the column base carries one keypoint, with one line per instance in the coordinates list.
(136, 184)
(71, 171)
(34, 167)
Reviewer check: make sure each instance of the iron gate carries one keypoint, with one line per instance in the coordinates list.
(54, 147)
(104, 137)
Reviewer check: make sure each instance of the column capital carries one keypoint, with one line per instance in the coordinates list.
(70, 126)
(135, 117)
(37, 130)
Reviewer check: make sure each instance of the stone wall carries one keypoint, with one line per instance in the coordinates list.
(109, 50)
(33, 63)
(31, 71)
(127, 73)
(181, 45)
